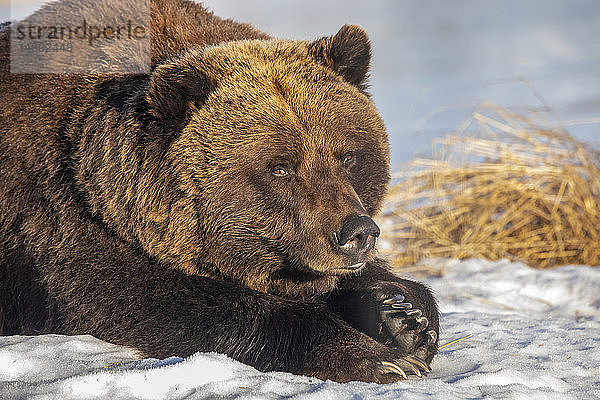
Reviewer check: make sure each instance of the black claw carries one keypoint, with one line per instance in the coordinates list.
(392, 368)
(396, 299)
(416, 371)
(402, 306)
(414, 313)
(390, 308)
(418, 362)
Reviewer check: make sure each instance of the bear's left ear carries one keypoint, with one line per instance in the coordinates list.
(174, 88)
(348, 53)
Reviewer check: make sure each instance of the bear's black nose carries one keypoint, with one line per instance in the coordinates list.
(357, 236)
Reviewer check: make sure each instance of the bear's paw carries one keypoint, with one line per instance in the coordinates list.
(402, 324)
(354, 356)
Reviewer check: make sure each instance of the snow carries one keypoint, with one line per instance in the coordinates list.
(534, 334)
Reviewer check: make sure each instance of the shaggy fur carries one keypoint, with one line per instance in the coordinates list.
(144, 208)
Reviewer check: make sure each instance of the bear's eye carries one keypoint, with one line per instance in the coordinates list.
(279, 171)
(348, 158)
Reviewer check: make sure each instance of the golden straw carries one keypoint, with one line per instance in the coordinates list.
(501, 187)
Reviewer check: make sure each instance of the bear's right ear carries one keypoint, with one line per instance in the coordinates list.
(174, 88)
(348, 53)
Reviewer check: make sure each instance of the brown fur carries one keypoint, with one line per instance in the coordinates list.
(132, 204)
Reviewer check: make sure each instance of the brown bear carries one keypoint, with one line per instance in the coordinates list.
(220, 201)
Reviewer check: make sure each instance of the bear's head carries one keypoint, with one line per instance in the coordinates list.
(281, 155)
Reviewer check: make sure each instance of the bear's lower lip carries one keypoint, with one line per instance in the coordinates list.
(356, 266)
(350, 268)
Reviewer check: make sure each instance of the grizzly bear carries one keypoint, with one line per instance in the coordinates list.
(220, 201)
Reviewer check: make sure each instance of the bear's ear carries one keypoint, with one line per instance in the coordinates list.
(174, 88)
(348, 53)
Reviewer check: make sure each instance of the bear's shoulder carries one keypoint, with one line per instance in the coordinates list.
(178, 25)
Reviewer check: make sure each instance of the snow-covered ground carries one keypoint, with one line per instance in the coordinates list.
(533, 335)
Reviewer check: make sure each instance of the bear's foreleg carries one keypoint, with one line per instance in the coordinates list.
(97, 284)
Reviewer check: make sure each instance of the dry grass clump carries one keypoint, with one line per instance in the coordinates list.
(500, 187)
